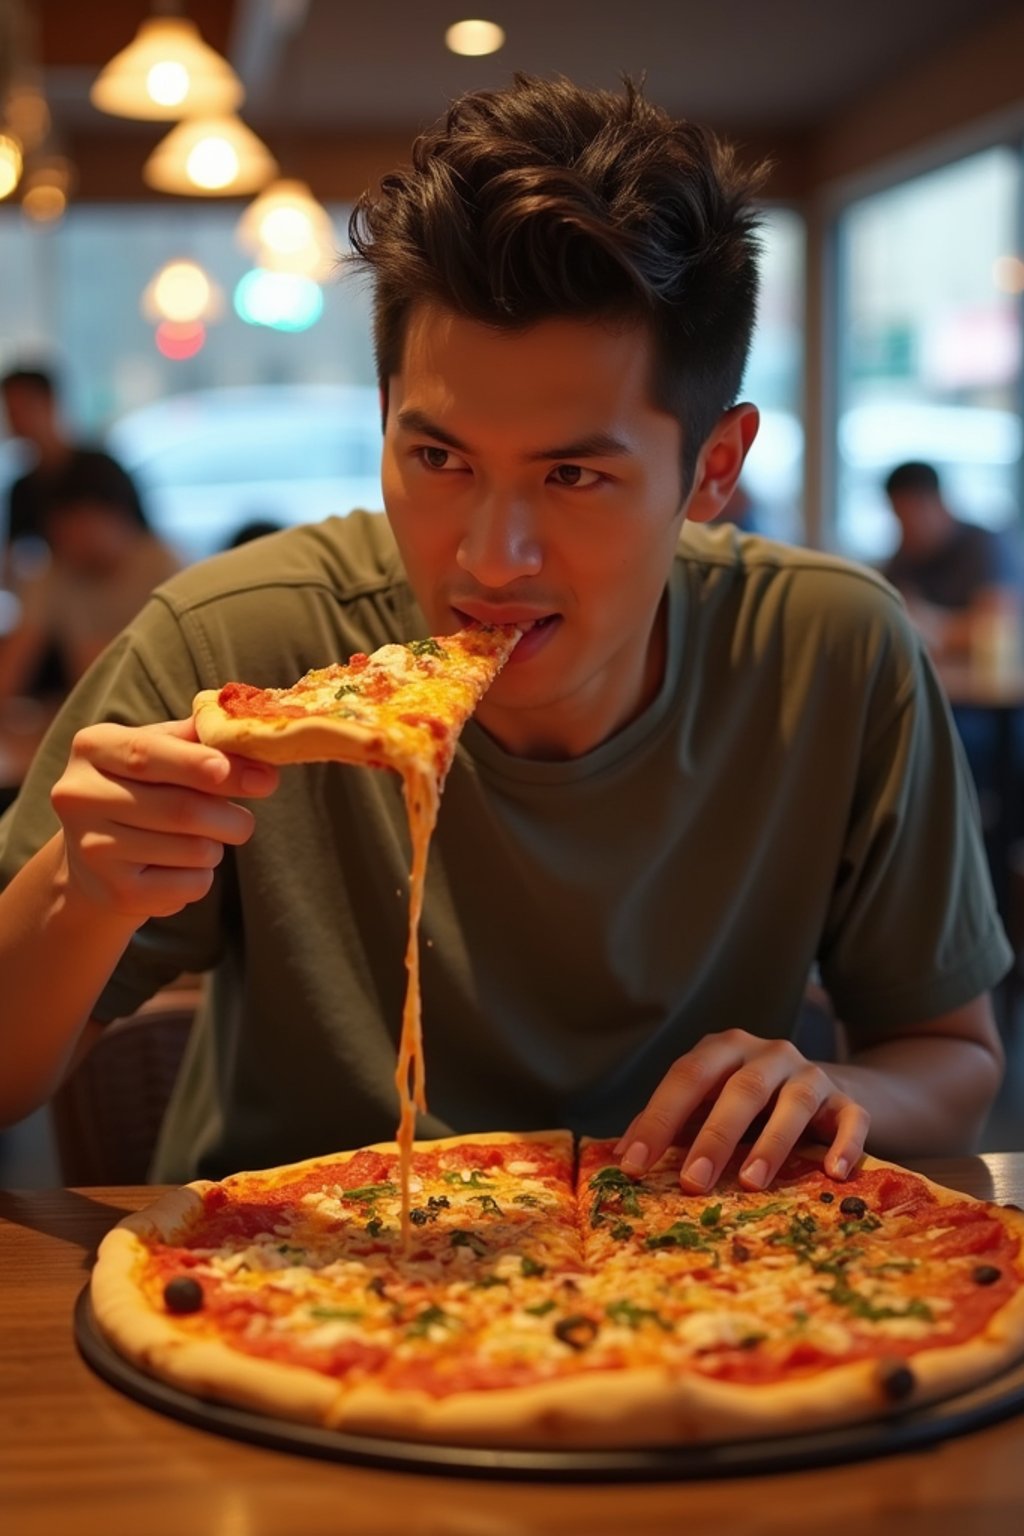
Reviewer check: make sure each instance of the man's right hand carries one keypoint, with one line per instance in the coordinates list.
(147, 812)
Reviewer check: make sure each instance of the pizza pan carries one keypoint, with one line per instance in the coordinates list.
(986, 1404)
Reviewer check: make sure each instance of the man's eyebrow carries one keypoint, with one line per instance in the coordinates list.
(411, 420)
(596, 445)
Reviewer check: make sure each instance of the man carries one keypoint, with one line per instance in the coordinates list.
(710, 762)
(32, 410)
(104, 564)
(63, 472)
(960, 581)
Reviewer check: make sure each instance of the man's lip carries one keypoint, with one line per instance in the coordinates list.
(520, 618)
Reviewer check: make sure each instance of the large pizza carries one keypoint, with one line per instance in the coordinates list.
(541, 1297)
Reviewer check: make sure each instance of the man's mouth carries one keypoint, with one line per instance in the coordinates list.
(535, 627)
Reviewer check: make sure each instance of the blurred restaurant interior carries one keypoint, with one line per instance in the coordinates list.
(182, 276)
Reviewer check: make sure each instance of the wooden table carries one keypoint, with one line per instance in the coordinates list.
(78, 1456)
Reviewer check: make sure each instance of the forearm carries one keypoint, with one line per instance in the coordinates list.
(926, 1094)
(57, 951)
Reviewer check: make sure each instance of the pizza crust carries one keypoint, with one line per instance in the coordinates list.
(318, 739)
(590, 1410)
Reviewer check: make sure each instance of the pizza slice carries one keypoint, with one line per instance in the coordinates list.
(403, 708)
(867, 1294)
(289, 1289)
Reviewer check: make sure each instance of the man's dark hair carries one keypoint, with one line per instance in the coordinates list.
(38, 379)
(545, 200)
(914, 477)
(93, 476)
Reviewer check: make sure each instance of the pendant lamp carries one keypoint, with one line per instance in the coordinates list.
(286, 230)
(209, 157)
(167, 72)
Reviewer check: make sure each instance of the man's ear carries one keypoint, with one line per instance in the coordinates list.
(720, 461)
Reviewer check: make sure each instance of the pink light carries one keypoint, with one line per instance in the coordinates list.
(178, 340)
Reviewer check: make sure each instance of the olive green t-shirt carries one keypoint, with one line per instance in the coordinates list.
(794, 795)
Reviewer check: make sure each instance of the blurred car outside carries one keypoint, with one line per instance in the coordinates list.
(211, 461)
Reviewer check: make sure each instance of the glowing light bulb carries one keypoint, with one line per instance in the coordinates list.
(178, 341)
(286, 230)
(167, 83)
(473, 38)
(181, 292)
(10, 164)
(212, 163)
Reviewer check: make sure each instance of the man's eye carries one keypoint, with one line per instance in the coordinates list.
(441, 458)
(574, 476)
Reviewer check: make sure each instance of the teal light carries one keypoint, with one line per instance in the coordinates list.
(282, 300)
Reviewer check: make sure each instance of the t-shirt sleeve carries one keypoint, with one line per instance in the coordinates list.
(912, 929)
(148, 675)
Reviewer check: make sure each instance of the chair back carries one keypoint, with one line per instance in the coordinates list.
(107, 1115)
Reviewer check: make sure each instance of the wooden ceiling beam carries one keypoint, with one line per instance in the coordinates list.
(71, 34)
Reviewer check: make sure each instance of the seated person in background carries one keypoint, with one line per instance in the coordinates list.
(711, 761)
(959, 580)
(253, 528)
(104, 564)
(31, 406)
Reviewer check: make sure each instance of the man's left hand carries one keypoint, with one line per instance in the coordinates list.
(734, 1079)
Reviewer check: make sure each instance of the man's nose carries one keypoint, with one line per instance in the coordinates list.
(501, 542)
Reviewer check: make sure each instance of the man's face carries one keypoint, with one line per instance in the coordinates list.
(28, 411)
(529, 480)
(923, 523)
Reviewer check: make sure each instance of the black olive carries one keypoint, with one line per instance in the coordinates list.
(896, 1379)
(438, 1203)
(418, 1216)
(183, 1294)
(577, 1331)
(826, 1197)
(986, 1274)
(740, 1252)
(853, 1205)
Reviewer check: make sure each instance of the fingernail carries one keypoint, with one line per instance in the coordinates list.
(840, 1168)
(635, 1158)
(755, 1174)
(699, 1172)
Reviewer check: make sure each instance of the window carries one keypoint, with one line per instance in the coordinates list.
(773, 473)
(930, 350)
(258, 424)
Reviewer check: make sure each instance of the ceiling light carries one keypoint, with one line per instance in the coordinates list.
(10, 164)
(209, 157)
(179, 340)
(181, 293)
(281, 300)
(166, 72)
(45, 188)
(473, 38)
(27, 113)
(286, 230)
